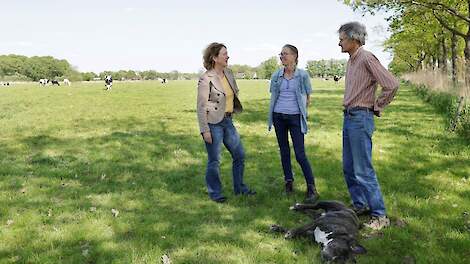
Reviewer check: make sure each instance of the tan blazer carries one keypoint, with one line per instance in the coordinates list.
(211, 98)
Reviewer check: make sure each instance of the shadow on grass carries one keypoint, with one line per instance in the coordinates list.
(60, 191)
(155, 179)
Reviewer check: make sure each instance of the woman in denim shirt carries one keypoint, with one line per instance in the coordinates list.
(290, 95)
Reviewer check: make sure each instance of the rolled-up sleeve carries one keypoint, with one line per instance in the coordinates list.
(385, 79)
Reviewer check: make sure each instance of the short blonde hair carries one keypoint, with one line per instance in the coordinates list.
(211, 51)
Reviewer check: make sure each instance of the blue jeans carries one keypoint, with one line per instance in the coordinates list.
(225, 132)
(283, 123)
(359, 174)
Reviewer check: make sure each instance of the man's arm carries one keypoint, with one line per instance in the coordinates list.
(386, 80)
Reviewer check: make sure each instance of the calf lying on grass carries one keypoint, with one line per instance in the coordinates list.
(334, 226)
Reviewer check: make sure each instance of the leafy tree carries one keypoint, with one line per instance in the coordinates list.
(173, 75)
(243, 71)
(149, 75)
(12, 64)
(103, 74)
(452, 15)
(324, 68)
(88, 76)
(267, 68)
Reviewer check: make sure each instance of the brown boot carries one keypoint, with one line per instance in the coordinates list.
(289, 187)
(311, 196)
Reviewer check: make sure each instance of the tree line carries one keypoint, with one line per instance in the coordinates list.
(326, 68)
(18, 67)
(425, 34)
(315, 68)
(22, 68)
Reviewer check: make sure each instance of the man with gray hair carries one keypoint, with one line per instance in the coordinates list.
(363, 73)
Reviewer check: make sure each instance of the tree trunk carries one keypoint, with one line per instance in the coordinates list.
(442, 52)
(421, 62)
(454, 58)
(443, 56)
(467, 59)
(467, 54)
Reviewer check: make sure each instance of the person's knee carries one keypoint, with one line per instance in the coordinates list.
(213, 164)
(369, 182)
(300, 156)
(237, 151)
(240, 155)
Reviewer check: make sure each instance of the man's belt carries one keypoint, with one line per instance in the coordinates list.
(357, 108)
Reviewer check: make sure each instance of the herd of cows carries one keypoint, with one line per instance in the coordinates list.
(108, 82)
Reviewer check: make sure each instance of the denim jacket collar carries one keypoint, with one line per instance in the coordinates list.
(281, 72)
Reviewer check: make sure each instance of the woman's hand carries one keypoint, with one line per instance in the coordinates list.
(207, 137)
(308, 100)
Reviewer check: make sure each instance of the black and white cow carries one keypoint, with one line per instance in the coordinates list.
(162, 80)
(54, 82)
(108, 80)
(43, 82)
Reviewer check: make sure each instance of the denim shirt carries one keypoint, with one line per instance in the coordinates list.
(302, 90)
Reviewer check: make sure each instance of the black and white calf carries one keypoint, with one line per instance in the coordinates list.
(334, 226)
(108, 82)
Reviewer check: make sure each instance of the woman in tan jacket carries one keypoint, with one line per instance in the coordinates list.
(217, 101)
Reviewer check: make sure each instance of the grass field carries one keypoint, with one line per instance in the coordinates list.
(88, 176)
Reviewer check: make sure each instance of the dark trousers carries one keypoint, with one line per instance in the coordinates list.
(283, 124)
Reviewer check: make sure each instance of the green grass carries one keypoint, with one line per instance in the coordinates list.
(70, 155)
(447, 104)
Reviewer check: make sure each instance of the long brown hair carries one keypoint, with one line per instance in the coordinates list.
(210, 53)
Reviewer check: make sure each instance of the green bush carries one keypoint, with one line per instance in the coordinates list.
(447, 104)
(14, 78)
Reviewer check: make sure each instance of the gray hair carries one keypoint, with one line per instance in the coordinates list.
(355, 31)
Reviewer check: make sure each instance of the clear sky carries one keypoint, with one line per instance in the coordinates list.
(95, 35)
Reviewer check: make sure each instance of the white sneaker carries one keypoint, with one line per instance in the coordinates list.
(378, 222)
